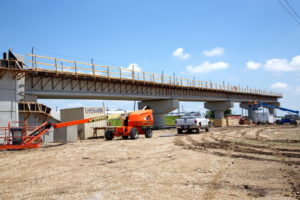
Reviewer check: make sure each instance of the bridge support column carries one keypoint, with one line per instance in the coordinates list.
(160, 108)
(9, 98)
(218, 107)
(272, 111)
(251, 113)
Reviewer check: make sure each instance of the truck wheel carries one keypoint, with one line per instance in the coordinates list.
(148, 133)
(197, 130)
(179, 131)
(125, 137)
(207, 129)
(190, 131)
(134, 134)
(108, 134)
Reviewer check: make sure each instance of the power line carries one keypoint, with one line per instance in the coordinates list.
(296, 20)
(289, 5)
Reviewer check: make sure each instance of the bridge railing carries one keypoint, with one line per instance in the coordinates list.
(58, 65)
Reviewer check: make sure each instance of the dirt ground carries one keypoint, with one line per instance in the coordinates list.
(257, 162)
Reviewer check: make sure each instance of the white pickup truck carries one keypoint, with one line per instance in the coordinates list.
(192, 122)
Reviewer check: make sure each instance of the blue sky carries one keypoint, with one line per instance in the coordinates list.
(216, 39)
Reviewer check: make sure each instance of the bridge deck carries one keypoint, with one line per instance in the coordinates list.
(53, 67)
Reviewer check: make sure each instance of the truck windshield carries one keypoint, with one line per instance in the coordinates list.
(192, 114)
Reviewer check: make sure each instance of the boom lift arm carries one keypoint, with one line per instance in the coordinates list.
(265, 105)
(17, 138)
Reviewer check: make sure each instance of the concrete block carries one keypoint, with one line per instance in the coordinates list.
(65, 134)
(49, 136)
(233, 122)
(220, 122)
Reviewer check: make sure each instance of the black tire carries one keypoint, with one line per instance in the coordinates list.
(179, 131)
(134, 134)
(108, 134)
(125, 137)
(197, 130)
(207, 129)
(148, 133)
(189, 131)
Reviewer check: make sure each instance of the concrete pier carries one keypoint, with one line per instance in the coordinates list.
(218, 107)
(160, 109)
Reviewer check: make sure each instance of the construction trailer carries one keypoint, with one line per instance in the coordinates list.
(263, 118)
(84, 131)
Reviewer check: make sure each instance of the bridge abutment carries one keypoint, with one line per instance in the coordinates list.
(30, 98)
(160, 108)
(218, 107)
(9, 99)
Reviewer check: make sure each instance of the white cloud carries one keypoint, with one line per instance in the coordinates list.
(218, 51)
(134, 66)
(251, 65)
(277, 64)
(279, 85)
(207, 67)
(179, 54)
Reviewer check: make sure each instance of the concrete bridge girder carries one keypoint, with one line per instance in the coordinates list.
(46, 86)
(160, 108)
(218, 107)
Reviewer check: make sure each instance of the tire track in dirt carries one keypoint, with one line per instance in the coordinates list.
(252, 151)
(216, 183)
(209, 143)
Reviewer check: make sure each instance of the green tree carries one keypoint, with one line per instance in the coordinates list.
(211, 114)
(227, 112)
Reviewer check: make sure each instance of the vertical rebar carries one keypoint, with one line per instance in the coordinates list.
(56, 66)
(93, 67)
(75, 68)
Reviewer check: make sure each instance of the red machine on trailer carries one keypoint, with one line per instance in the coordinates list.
(23, 136)
(28, 137)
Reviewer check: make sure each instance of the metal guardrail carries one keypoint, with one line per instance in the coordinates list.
(38, 62)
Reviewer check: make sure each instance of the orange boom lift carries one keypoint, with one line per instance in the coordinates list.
(22, 136)
(134, 124)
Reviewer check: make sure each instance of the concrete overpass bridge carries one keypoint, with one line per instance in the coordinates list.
(40, 77)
